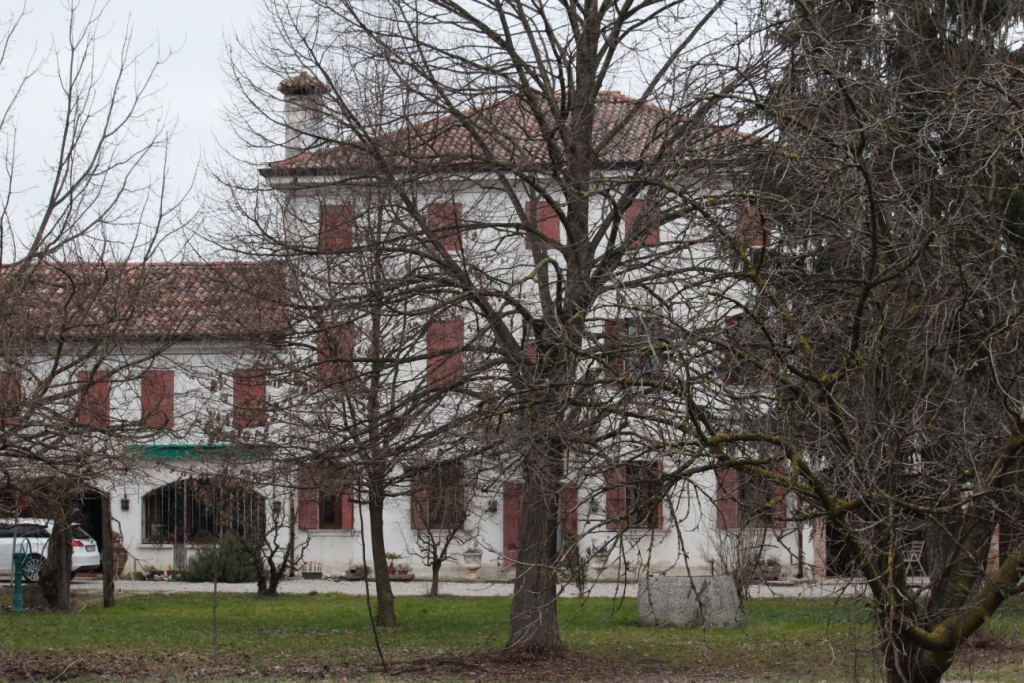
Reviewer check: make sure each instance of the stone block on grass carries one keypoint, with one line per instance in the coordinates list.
(688, 602)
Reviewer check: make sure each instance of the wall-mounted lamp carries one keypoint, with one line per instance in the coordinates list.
(278, 507)
(124, 503)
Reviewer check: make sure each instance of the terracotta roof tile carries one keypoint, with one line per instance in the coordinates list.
(627, 132)
(165, 301)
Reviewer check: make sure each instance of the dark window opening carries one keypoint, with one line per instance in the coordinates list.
(438, 497)
(201, 511)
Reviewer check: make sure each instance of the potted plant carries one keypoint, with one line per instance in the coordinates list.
(403, 573)
(391, 557)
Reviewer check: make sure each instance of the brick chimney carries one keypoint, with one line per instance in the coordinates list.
(303, 112)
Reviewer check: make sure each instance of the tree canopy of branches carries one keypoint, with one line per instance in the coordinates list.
(878, 285)
(64, 324)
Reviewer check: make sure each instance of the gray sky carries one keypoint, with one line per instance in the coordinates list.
(193, 86)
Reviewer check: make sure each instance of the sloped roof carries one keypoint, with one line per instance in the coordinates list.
(143, 301)
(626, 132)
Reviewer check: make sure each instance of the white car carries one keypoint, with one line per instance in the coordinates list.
(16, 533)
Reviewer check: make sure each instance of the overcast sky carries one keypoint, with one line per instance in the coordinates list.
(193, 85)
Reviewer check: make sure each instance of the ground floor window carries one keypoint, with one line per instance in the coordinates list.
(200, 510)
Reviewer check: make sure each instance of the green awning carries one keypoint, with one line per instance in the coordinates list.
(186, 450)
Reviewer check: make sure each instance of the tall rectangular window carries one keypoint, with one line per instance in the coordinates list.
(336, 228)
(438, 497)
(752, 226)
(335, 349)
(10, 397)
(94, 398)
(643, 224)
(444, 352)
(543, 221)
(250, 398)
(634, 495)
(445, 221)
(158, 399)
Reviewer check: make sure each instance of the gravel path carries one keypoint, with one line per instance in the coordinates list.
(460, 588)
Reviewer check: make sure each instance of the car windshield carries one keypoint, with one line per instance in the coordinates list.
(81, 534)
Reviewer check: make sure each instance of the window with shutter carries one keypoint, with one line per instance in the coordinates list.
(615, 498)
(643, 224)
(336, 228)
(748, 500)
(10, 397)
(752, 226)
(335, 352)
(445, 221)
(250, 398)
(512, 516)
(544, 222)
(438, 497)
(444, 352)
(637, 348)
(158, 399)
(726, 501)
(635, 496)
(94, 398)
(337, 510)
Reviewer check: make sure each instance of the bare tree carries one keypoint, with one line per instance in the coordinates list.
(527, 193)
(70, 329)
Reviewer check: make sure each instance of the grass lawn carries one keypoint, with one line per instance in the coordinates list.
(303, 636)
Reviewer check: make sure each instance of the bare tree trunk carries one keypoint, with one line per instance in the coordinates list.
(381, 579)
(534, 609)
(435, 572)
(905, 662)
(107, 556)
(55, 579)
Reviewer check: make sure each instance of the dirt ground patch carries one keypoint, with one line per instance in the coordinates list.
(563, 668)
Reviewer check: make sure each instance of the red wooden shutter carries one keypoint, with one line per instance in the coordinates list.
(731, 374)
(778, 503)
(445, 221)
(727, 499)
(94, 398)
(158, 399)
(752, 226)
(444, 352)
(615, 498)
(335, 347)
(544, 220)
(616, 364)
(643, 216)
(659, 511)
(347, 510)
(419, 500)
(250, 398)
(512, 517)
(570, 513)
(336, 227)
(308, 517)
(10, 397)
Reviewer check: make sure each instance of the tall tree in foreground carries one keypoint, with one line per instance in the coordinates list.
(528, 194)
(877, 314)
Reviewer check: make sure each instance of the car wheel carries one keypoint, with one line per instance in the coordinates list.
(31, 568)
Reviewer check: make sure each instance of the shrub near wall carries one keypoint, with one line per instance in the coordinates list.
(230, 561)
